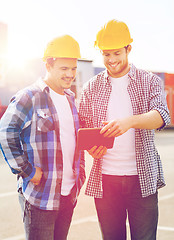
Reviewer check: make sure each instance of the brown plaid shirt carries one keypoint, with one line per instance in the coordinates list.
(146, 92)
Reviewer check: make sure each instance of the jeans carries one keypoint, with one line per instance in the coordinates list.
(46, 224)
(122, 197)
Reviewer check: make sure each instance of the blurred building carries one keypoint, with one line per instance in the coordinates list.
(18, 78)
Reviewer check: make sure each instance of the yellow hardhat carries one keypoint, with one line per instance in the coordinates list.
(113, 35)
(62, 47)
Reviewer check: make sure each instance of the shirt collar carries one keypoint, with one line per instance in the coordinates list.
(42, 85)
(106, 76)
(131, 73)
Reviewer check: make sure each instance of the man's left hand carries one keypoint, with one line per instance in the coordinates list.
(97, 152)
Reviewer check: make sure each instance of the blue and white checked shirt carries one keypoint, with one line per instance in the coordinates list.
(29, 137)
(146, 92)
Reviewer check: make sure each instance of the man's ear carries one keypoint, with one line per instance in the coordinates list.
(47, 66)
(129, 48)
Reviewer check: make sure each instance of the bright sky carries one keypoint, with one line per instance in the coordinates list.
(32, 23)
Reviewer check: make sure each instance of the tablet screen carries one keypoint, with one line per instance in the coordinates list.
(89, 137)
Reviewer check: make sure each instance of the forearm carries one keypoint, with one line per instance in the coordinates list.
(149, 120)
(11, 145)
(18, 161)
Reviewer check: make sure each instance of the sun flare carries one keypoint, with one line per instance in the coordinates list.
(20, 51)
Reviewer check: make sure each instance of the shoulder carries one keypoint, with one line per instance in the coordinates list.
(144, 76)
(24, 96)
(95, 82)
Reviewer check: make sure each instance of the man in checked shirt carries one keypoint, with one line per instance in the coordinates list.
(38, 139)
(128, 104)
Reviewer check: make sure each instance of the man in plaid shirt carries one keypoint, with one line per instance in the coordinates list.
(38, 139)
(128, 104)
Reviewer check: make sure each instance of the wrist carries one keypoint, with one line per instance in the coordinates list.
(132, 121)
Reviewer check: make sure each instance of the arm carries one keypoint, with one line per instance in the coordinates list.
(86, 120)
(156, 117)
(115, 128)
(149, 120)
(85, 110)
(12, 125)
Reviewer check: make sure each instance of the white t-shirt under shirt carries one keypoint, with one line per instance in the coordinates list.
(121, 159)
(67, 139)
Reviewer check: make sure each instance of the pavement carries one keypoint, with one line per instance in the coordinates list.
(84, 224)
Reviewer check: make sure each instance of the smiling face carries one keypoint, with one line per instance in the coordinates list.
(61, 74)
(116, 61)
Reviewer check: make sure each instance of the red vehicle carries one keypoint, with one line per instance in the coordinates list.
(169, 88)
(2, 110)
